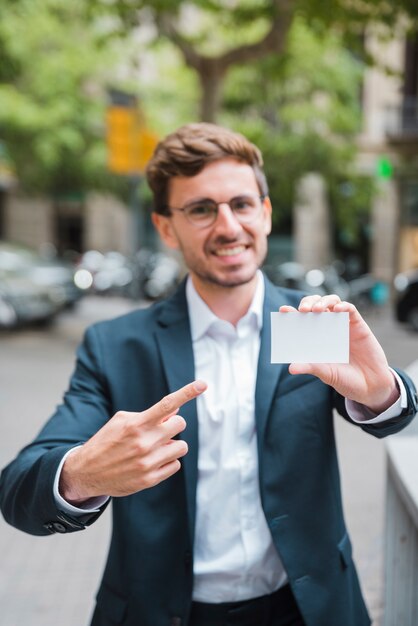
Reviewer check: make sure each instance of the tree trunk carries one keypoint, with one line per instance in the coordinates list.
(211, 77)
(212, 70)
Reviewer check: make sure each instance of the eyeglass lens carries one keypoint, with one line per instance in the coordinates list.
(245, 209)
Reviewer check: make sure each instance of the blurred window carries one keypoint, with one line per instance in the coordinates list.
(409, 199)
(411, 67)
(2, 217)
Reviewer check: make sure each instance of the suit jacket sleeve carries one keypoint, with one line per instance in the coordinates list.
(26, 484)
(393, 425)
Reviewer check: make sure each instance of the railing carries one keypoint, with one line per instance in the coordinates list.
(401, 122)
(401, 546)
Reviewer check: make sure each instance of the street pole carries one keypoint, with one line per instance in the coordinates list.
(136, 211)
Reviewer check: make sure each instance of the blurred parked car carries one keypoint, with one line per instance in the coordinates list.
(406, 300)
(23, 302)
(366, 292)
(50, 274)
(147, 274)
(315, 281)
(33, 288)
(108, 273)
(157, 274)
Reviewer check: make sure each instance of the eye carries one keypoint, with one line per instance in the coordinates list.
(200, 210)
(243, 203)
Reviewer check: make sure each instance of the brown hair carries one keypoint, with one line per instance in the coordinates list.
(186, 152)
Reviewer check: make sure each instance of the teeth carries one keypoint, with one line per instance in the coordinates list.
(230, 251)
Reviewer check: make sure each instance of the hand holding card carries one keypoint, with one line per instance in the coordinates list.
(317, 346)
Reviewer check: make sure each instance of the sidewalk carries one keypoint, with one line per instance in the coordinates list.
(363, 477)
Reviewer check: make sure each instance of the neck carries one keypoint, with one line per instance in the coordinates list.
(228, 303)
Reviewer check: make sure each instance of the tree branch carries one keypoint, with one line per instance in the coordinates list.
(273, 41)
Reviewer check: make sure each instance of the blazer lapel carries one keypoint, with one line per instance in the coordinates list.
(268, 373)
(175, 345)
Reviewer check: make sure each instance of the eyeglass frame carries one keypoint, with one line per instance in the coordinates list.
(183, 209)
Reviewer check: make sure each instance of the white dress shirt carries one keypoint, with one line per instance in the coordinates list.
(234, 557)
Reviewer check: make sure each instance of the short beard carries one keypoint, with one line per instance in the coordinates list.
(227, 283)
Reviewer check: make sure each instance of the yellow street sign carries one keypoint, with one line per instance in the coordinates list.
(129, 143)
(146, 144)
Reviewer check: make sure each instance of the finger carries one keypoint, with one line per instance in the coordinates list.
(168, 405)
(326, 303)
(348, 307)
(322, 371)
(173, 449)
(300, 368)
(307, 303)
(286, 308)
(357, 322)
(171, 426)
(319, 304)
(165, 455)
(164, 472)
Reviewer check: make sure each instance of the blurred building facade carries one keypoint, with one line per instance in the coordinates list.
(389, 152)
(70, 224)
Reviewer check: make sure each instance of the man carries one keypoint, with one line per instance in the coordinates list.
(247, 528)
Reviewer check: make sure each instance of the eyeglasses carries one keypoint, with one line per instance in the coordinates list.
(203, 213)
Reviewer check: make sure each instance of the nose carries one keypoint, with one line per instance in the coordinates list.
(226, 222)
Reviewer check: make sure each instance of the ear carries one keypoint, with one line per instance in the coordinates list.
(267, 211)
(164, 227)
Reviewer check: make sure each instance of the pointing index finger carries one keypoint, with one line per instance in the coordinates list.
(173, 401)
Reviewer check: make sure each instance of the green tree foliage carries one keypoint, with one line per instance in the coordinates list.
(216, 35)
(304, 112)
(53, 71)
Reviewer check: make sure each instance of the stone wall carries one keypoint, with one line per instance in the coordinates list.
(107, 224)
(28, 220)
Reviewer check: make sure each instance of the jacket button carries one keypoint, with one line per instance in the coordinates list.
(49, 527)
(59, 528)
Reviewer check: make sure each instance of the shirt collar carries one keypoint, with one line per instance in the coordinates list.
(201, 317)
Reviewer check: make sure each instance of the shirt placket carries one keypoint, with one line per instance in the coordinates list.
(243, 376)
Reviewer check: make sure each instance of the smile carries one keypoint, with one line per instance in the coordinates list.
(230, 251)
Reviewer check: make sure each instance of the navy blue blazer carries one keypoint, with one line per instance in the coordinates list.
(129, 364)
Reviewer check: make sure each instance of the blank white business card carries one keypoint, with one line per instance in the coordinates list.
(310, 337)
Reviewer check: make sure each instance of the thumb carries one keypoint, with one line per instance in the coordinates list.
(322, 371)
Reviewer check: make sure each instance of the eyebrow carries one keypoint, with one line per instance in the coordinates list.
(197, 200)
(206, 198)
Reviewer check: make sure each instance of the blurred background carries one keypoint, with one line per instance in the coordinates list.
(329, 95)
(328, 91)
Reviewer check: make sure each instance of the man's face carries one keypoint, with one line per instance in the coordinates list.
(225, 253)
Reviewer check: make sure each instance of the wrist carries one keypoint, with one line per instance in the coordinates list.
(388, 399)
(70, 487)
